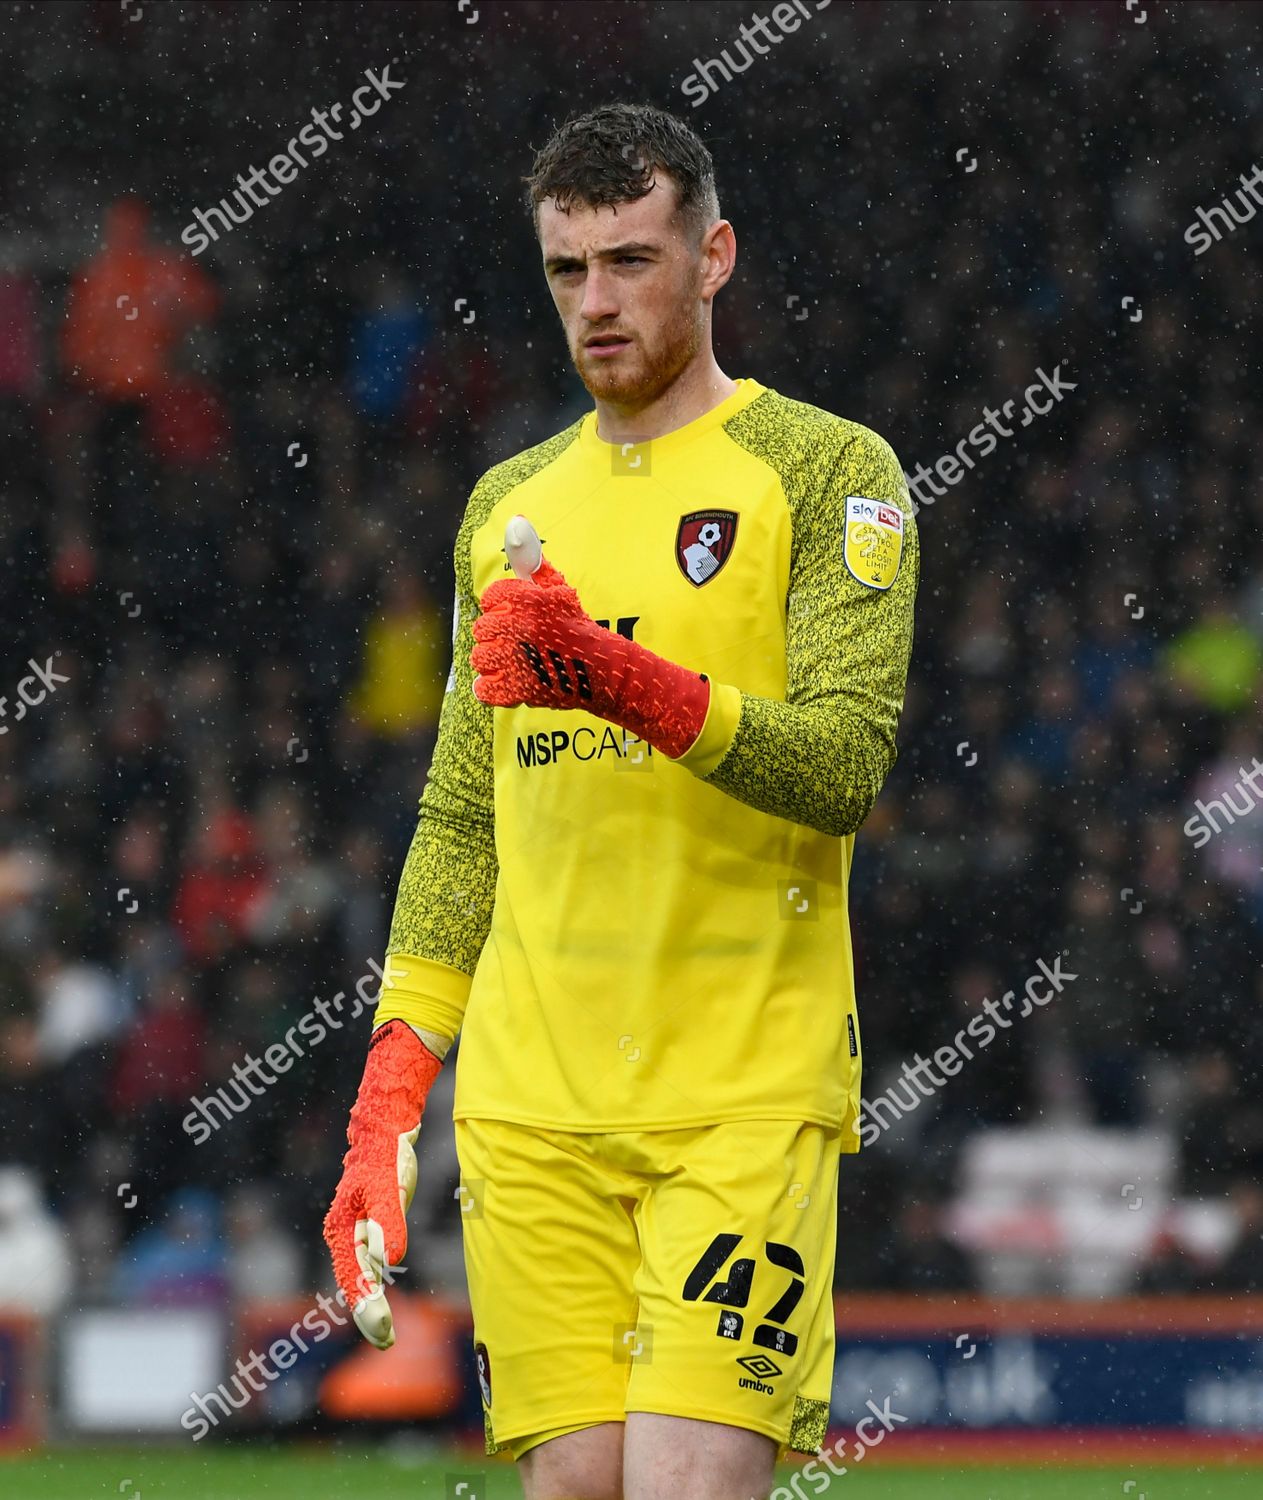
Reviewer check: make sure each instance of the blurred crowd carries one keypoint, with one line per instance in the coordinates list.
(229, 486)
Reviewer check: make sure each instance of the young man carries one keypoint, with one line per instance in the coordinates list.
(628, 883)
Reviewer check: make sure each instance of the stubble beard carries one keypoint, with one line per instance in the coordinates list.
(647, 373)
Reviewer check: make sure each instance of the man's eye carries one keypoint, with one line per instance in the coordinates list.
(632, 260)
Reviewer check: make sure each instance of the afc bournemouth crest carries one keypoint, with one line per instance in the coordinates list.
(484, 1374)
(703, 543)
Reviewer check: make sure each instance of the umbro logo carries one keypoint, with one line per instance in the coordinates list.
(762, 1369)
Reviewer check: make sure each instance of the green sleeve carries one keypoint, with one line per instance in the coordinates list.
(447, 889)
(443, 906)
(820, 758)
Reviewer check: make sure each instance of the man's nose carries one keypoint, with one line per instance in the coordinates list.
(599, 300)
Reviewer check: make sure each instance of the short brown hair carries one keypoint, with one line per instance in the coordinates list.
(610, 155)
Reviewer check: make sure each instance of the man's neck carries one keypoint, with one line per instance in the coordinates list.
(686, 399)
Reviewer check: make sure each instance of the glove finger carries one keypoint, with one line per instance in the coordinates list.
(339, 1235)
(492, 656)
(383, 1210)
(502, 680)
(547, 577)
(506, 690)
(370, 1254)
(517, 619)
(370, 1309)
(407, 1168)
(489, 654)
(518, 604)
(502, 594)
(489, 626)
(373, 1319)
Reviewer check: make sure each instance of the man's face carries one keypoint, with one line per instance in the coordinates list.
(628, 287)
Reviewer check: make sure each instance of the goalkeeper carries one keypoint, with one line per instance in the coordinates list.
(681, 636)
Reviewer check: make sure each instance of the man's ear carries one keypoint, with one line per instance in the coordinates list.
(719, 257)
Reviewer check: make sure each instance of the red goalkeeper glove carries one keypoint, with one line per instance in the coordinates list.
(364, 1228)
(537, 645)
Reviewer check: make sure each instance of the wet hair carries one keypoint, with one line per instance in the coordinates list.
(611, 155)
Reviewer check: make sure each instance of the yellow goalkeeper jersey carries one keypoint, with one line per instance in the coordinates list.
(630, 942)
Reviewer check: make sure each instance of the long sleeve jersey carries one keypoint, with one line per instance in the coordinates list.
(627, 941)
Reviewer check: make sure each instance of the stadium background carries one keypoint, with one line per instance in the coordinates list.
(226, 515)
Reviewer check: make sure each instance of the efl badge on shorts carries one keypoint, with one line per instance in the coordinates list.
(703, 543)
(484, 1373)
(874, 540)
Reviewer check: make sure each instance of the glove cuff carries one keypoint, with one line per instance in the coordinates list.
(399, 1072)
(658, 700)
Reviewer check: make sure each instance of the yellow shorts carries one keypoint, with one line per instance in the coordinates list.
(686, 1272)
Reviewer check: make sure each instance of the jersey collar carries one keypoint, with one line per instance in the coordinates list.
(747, 390)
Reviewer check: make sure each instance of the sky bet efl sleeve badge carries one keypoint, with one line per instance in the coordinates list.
(874, 540)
